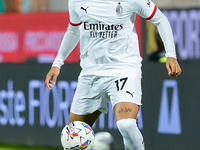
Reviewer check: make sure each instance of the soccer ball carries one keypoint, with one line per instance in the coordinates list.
(77, 135)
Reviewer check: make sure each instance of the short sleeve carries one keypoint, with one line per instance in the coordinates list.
(144, 8)
(74, 18)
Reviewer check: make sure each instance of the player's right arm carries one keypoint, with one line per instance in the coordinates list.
(68, 43)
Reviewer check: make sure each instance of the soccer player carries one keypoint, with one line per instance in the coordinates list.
(110, 61)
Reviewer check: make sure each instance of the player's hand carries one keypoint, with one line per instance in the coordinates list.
(173, 67)
(51, 77)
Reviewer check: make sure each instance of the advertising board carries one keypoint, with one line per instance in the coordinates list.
(186, 28)
(33, 36)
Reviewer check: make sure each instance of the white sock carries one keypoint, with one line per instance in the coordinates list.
(132, 137)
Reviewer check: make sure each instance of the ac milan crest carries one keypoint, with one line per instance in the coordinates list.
(119, 9)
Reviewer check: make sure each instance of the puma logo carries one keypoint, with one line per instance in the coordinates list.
(84, 9)
(130, 93)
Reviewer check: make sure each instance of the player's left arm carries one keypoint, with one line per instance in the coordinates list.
(165, 31)
(148, 10)
(173, 67)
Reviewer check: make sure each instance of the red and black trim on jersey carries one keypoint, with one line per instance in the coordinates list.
(153, 13)
(75, 24)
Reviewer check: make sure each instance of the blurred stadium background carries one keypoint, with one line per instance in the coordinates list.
(31, 117)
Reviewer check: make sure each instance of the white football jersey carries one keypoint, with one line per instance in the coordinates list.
(108, 39)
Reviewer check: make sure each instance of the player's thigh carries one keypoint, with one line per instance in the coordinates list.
(89, 118)
(125, 92)
(124, 110)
